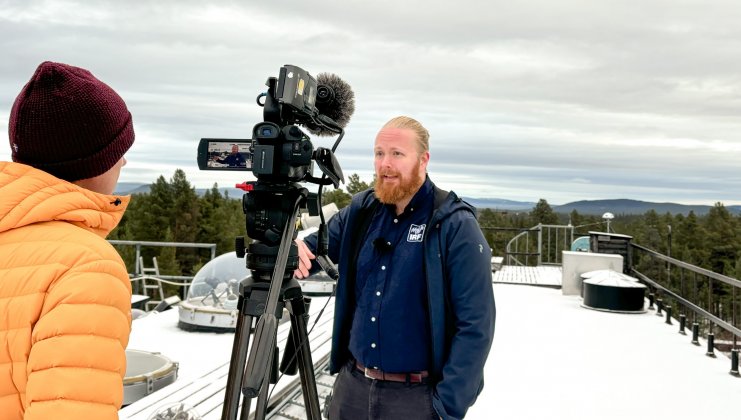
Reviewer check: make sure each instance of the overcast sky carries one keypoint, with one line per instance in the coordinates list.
(566, 100)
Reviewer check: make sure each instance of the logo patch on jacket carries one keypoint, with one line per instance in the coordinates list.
(416, 233)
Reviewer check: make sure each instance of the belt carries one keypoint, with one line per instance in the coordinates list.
(411, 377)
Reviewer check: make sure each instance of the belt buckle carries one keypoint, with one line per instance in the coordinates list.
(365, 373)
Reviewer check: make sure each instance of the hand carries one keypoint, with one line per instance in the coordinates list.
(304, 260)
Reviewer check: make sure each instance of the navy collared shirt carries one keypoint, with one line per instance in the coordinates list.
(390, 329)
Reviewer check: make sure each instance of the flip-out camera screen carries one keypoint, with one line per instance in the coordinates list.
(225, 154)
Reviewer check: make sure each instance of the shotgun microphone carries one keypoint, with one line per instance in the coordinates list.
(334, 100)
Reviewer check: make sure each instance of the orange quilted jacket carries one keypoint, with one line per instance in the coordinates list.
(65, 299)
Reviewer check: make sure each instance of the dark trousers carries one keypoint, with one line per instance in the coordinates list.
(356, 397)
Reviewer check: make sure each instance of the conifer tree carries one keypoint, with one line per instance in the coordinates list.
(185, 206)
(208, 205)
(337, 196)
(355, 185)
(229, 222)
(167, 259)
(575, 218)
(159, 208)
(543, 213)
(721, 241)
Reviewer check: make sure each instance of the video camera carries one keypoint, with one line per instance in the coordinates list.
(279, 151)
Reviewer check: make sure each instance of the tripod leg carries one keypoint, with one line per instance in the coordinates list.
(236, 366)
(262, 398)
(297, 309)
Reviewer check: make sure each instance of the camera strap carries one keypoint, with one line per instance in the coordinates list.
(440, 196)
(360, 227)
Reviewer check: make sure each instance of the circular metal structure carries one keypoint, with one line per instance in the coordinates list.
(146, 372)
(211, 304)
(612, 293)
(607, 274)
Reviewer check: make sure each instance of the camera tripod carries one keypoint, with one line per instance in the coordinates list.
(263, 297)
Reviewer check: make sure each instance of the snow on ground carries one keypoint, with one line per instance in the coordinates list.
(553, 359)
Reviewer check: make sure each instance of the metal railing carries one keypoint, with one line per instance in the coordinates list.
(140, 244)
(149, 281)
(706, 299)
(541, 245)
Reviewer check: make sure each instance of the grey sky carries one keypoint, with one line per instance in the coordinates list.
(568, 100)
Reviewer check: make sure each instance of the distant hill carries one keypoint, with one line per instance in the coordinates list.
(627, 206)
(595, 207)
(599, 207)
(126, 188)
(499, 204)
(123, 188)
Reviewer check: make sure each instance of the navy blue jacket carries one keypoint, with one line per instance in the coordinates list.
(460, 297)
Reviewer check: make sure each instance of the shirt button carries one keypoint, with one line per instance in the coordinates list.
(378, 293)
(373, 345)
(373, 319)
(396, 220)
(383, 267)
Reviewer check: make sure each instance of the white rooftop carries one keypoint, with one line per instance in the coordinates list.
(551, 359)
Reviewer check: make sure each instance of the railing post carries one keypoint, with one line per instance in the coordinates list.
(540, 243)
(669, 315)
(137, 266)
(138, 269)
(697, 305)
(734, 363)
(711, 345)
(695, 333)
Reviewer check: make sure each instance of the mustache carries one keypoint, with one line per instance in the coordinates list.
(388, 173)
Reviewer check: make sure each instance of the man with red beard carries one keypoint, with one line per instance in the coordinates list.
(414, 315)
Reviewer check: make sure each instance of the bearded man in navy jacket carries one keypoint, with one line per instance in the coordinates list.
(414, 312)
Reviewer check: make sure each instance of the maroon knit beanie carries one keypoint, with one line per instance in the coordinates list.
(68, 123)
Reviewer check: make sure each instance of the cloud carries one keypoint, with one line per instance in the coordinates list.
(564, 101)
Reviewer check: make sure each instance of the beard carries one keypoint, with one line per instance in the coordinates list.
(392, 194)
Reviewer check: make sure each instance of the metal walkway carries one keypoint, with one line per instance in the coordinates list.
(292, 405)
(548, 276)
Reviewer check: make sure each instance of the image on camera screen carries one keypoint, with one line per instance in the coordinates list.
(228, 155)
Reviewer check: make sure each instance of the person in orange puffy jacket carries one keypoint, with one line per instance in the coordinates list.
(65, 295)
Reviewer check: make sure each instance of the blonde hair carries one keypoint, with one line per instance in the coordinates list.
(409, 123)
